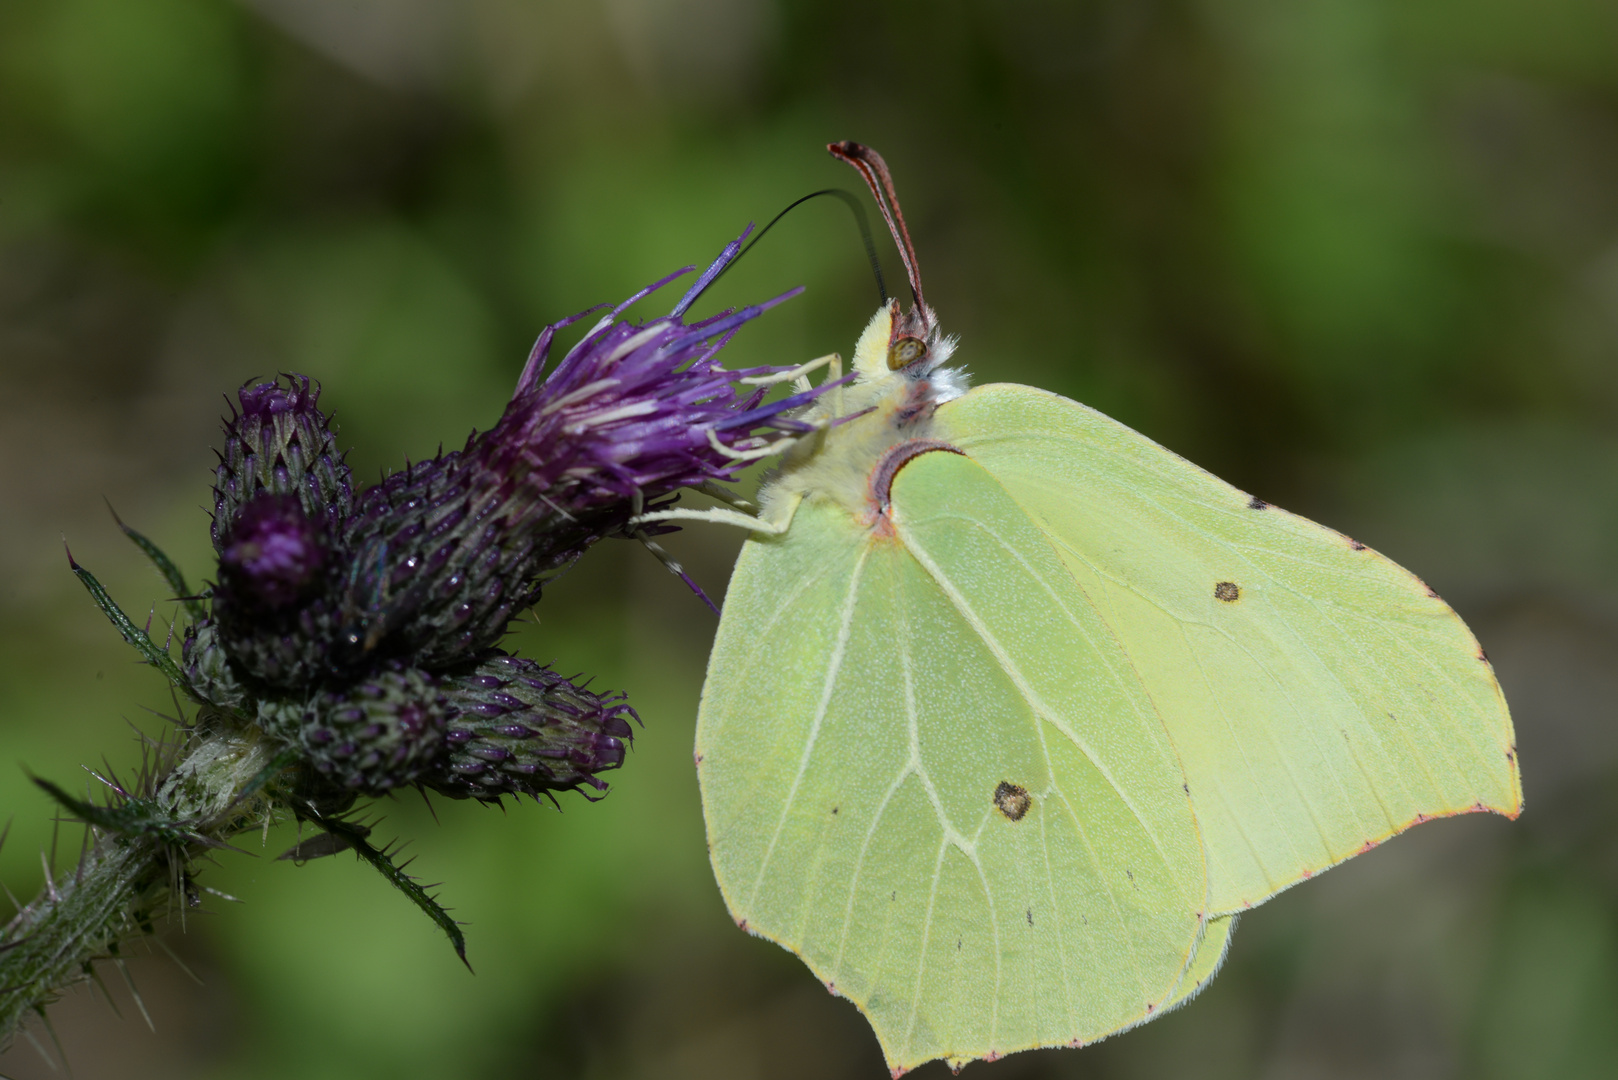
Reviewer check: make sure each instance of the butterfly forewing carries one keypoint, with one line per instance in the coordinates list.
(1320, 697)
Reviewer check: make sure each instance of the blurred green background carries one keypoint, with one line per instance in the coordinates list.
(1359, 257)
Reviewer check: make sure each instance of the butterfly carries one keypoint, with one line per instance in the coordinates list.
(1011, 711)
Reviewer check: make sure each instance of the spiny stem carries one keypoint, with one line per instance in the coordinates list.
(128, 874)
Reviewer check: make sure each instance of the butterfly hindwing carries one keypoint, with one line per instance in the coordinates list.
(1210, 957)
(943, 787)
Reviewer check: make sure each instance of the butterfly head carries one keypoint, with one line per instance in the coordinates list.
(896, 341)
(903, 343)
(900, 380)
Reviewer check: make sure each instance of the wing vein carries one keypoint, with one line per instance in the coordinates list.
(833, 666)
(1014, 671)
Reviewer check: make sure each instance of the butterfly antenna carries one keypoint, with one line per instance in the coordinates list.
(849, 200)
(875, 173)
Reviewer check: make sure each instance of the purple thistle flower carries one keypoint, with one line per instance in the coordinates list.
(348, 647)
(362, 629)
(447, 551)
(519, 728)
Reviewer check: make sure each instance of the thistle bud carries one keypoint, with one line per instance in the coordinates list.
(520, 728)
(371, 737)
(273, 554)
(207, 666)
(271, 605)
(280, 442)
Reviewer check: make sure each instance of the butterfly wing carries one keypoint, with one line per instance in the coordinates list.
(1321, 698)
(1210, 957)
(929, 770)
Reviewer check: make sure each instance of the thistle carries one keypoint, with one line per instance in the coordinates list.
(349, 645)
(443, 553)
(282, 495)
(520, 728)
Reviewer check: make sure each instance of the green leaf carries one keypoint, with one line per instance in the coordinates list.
(134, 816)
(194, 604)
(354, 834)
(158, 658)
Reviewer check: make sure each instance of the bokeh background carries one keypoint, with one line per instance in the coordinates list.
(1359, 257)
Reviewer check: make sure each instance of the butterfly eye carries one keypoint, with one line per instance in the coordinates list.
(905, 350)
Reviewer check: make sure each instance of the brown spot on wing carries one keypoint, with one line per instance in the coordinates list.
(1228, 591)
(1012, 800)
(1256, 503)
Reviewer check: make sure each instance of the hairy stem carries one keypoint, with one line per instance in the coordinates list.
(210, 788)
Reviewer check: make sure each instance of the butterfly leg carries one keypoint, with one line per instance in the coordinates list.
(724, 495)
(717, 515)
(774, 521)
(637, 518)
(769, 449)
(797, 374)
(799, 378)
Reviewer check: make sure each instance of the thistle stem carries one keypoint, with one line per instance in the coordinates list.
(210, 790)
